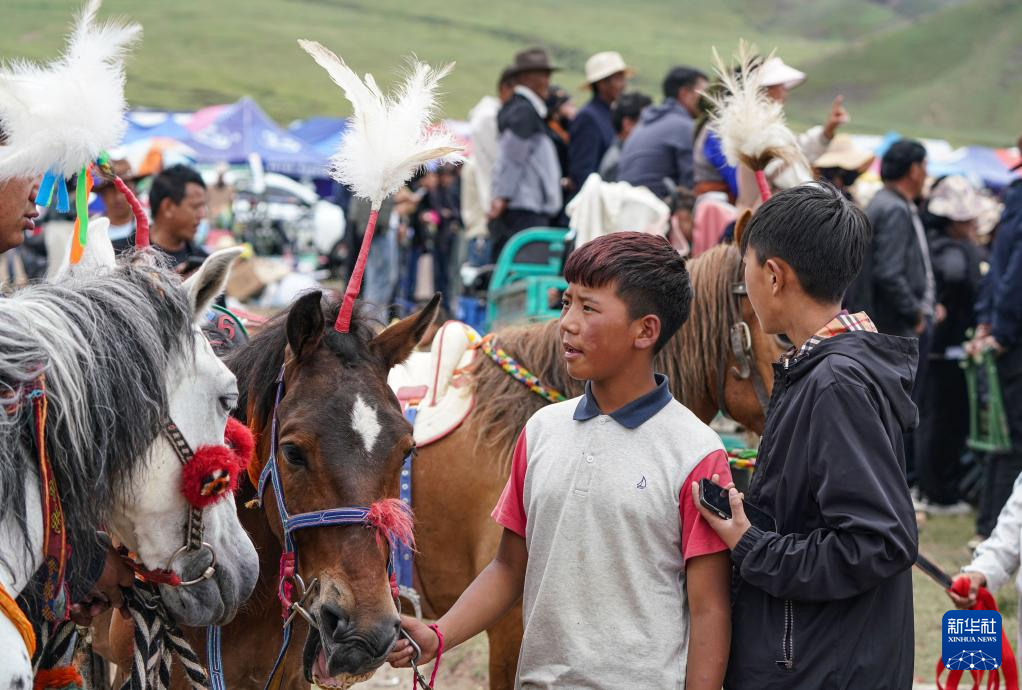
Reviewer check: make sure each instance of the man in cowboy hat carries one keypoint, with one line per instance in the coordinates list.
(527, 174)
(592, 131)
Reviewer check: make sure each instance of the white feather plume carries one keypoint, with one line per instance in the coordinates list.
(390, 138)
(62, 115)
(751, 126)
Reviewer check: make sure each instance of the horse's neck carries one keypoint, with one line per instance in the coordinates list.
(19, 570)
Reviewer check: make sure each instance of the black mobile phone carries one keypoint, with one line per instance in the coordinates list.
(714, 498)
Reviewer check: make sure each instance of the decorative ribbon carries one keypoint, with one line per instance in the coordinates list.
(10, 608)
(984, 602)
(55, 546)
(519, 373)
(81, 233)
(355, 282)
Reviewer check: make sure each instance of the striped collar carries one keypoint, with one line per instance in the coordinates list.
(842, 323)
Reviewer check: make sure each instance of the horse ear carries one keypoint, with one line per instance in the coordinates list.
(740, 224)
(210, 280)
(396, 342)
(305, 324)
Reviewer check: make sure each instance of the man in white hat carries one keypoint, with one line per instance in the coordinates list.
(779, 78)
(592, 131)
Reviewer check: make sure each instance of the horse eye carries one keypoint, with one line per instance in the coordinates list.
(228, 402)
(294, 455)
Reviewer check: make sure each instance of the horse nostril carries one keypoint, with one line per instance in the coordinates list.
(334, 622)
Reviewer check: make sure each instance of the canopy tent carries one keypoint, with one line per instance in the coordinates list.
(244, 130)
(324, 134)
(149, 124)
(979, 163)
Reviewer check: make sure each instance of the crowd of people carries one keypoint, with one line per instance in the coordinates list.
(882, 299)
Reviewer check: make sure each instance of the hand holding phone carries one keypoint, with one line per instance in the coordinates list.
(715, 499)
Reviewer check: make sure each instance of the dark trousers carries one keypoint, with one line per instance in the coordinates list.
(1003, 469)
(514, 220)
(943, 429)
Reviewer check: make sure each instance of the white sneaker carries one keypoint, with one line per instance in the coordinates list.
(960, 508)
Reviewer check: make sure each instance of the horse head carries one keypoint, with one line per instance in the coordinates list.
(207, 577)
(340, 441)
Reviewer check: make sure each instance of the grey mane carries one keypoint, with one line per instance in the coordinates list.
(105, 342)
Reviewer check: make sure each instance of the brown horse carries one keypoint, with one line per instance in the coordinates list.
(457, 480)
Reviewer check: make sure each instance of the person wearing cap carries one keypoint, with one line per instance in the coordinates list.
(624, 114)
(714, 173)
(592, 132)
(527, 174)
(116, 207)
(842, 163)
(952, 219)
(660, 148)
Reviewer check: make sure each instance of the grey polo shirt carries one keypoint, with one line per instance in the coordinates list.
(604, 505)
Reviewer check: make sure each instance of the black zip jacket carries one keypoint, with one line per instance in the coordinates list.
(826, 600)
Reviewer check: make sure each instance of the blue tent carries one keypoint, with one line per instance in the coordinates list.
(145, 125)
(244, 129)
(979, 163)
(321, 133)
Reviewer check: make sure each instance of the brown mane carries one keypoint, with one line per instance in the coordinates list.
(689, 360)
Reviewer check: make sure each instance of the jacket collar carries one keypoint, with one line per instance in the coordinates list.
(630, 416)
(531, 96)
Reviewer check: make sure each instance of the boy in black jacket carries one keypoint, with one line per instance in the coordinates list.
(823, 600)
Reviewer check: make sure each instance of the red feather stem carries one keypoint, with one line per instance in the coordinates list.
(355, 283)
(141, 219)
(764, 186)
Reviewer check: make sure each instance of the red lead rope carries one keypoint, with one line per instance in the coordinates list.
(984, 602)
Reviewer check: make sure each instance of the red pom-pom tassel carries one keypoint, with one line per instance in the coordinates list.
(209, 476)
(239, 439)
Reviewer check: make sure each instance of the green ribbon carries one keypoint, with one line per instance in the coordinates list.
(82, 206)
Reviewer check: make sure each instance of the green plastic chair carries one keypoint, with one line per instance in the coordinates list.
(988, 424)
(527, 270)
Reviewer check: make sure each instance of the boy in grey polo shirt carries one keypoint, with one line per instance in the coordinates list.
(624, 584)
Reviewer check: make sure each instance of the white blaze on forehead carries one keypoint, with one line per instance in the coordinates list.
(365, 422)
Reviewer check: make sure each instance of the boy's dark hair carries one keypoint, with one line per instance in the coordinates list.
(629, 105)
(899, 158)
(822, 235)
(649, 276)
(679, 78)
(172, 184)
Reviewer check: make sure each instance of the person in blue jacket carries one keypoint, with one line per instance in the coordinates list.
(592, 132)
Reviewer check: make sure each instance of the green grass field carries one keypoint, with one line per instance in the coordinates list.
(926, 67)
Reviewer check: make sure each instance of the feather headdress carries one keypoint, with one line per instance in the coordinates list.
(389, 140)
(61, 116)
(751, 126)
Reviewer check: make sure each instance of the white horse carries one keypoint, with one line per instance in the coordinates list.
(122, 355)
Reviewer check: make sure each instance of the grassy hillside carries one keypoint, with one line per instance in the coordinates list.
(954, 74)
(201, 52)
